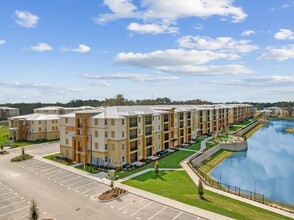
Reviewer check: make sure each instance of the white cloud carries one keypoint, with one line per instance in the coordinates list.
(100, 83)
(279, 54)
(152, 28)
(226, 44)
(170, 11)
(130, 76)
(198, 27)
(2, 42)
(26, 19)
(179, 61)
(82, 48)
(41, 47)
(284, 34)
(262, 81)
(247, 33)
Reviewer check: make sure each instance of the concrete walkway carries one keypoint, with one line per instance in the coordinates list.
(185, 149)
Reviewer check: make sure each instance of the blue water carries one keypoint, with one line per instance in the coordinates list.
(267, 166)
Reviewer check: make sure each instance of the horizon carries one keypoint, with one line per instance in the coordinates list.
(56, 51)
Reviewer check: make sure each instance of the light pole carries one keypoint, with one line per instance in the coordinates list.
(91, 152)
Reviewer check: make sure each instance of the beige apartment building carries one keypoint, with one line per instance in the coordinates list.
(277, 111)
(7, 112)
(126, 134)
(34, 127)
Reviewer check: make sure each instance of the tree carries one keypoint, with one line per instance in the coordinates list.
(112, 176)
(23, 153)
(156, 167)
(200, 189)
(34, 212)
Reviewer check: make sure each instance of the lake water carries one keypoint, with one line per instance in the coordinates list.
(267, 166)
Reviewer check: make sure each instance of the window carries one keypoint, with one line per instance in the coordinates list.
(123, 134)
(152, 128)
(106, 159)
(105, 121)
(66, 141)
(96, 121)
(96, 133)
(158, 127)
(139, 131)
(122, 159)
(66, 120)
(123, 121)
(52, 121)
(159, 137)
(139, 119)
(158, 117)
(105, 146)
(40, 129)
(52, 129)
(112, 122)
(105, 135)
(96, 146)
(123, 146)
(112, 134)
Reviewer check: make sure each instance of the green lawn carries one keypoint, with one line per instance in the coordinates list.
(249, 133)
(88, 169)
(171, 161)
(177, 185)
(195, 146)
(211, 162)
(4, 131)
(52, 157)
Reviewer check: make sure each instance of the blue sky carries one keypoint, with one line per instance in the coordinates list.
(59, 50)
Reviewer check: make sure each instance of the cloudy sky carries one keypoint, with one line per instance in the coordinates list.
(217, 50)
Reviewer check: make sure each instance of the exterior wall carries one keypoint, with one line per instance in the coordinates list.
(6, 112)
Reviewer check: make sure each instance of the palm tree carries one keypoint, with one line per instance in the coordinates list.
(156, 167)
(34, 212)
(200, 189)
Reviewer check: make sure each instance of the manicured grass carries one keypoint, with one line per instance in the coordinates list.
(4, 131)
(27, 143)
(88, 169)
(52, 157)
(171, 161)
(290, 130)
(249, 133)
(210, 144)
(211, 162)
(195, 146)
(177, 185)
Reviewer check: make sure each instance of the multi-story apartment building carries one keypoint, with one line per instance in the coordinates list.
(277, 111)
(126, 134)
(34, 127)
(57, 110)
(6, 112)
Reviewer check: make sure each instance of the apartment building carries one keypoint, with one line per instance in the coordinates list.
(277, 111)
(126, 134)
(34, 127)
(58, 110)
(7, 112)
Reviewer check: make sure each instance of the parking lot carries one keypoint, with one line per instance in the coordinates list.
(129, 206)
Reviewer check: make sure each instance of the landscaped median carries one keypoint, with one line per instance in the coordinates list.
(177, 185)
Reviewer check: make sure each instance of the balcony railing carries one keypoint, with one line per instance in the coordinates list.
(149, 122)
(134, 124)
(133, 136)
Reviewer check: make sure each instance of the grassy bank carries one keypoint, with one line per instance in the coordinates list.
(211, 162)
(167, 184)
(290, 130)
(249, 133)
(53, 158)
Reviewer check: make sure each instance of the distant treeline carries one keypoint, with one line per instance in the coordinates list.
(27, 108)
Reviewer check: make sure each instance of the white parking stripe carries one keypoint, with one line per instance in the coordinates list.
(6, 193)
(14, 211)
(12, 204)
(63, 176)
(50, 171)
(24, 216)
(90, 190)
(177, 215)
(75, 183)
(9, 199)
(128, 204)
(55, 174)
(43, 167)
(84, 186)
(157, 212)
(141, 208)
(75, 177)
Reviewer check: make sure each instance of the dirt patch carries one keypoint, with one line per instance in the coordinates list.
(112, 194)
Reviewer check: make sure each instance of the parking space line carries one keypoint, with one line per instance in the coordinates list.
(32, 165)
(63, 176)
(83, 186)
(40, 168)
(24, 216)
(14, 211)
(3, 189)
(6, 193)
(75, 183)
(177, 215)
(8, 199)
(12, 204)
(54, 174)
(69, 179)
(157, 212)
(90, 190)
(141, 208)
(53, 170)
(128, 204)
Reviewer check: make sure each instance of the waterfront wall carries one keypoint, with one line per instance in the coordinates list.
(240, 146)
(242, 131)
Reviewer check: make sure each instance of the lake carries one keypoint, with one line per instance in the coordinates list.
(267, 166)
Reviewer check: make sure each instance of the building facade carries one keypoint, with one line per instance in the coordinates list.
(34, 127)
(6, 112)
(58, 110)
(126, 134)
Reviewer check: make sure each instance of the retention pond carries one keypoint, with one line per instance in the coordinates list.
(267, 167)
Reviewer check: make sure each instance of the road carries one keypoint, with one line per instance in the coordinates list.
(61, 194)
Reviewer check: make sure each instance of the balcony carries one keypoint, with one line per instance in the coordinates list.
(134, 136)
(165, 119)
(148, 132)
(132, 125)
